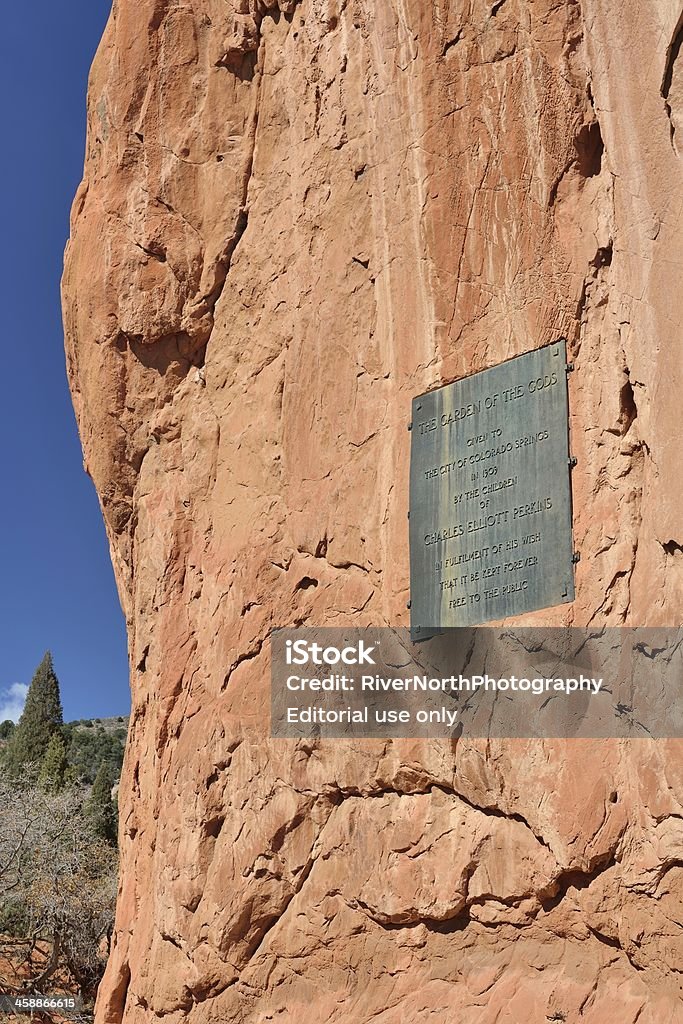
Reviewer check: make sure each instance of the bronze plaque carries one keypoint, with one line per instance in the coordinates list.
(490, 495)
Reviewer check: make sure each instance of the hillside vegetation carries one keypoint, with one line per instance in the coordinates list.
(58, 856)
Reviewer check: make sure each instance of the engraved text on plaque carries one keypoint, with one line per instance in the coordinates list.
(490, 495)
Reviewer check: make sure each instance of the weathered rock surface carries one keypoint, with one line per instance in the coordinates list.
(294, 217)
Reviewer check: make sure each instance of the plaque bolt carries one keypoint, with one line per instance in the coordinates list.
(408, 605)
(410, 426)
(569, 367)
(572, 461)
(576, 557)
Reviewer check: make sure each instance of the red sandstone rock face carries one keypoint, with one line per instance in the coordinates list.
(294, 217)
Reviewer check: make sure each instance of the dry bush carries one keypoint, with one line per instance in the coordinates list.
(57, 885)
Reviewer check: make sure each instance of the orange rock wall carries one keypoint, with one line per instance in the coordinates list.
(294, 217)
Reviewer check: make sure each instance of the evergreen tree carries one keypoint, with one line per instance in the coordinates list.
(88, 748)
(41, 719)
(6, 729)
(54, 769)
(100, 807)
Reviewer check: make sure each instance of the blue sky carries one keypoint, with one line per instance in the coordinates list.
(58, 589)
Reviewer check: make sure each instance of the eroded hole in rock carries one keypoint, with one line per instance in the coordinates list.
(627, 408)
(672, 547)
(305, 583)
(589, 149)
(212, 828)
(448, 927)
(576, 880)
(321, 549)
(603, 257)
